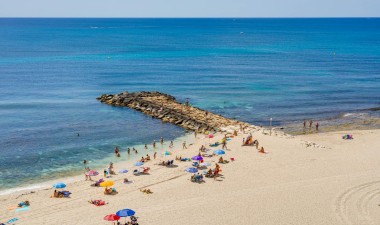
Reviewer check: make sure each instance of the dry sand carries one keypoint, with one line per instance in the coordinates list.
(334, 181)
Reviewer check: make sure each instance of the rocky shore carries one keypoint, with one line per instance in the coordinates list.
(166, 108)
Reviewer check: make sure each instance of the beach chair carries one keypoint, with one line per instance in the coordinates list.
(97, 183)
(136, 172)
(66, 194)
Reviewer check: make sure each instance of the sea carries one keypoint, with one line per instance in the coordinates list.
(290, 70)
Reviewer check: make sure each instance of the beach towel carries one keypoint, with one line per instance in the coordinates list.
(22, 209)
(11, 221)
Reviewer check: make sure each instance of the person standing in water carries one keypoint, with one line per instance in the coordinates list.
(171, 144)
(304, 123)
(154, 143)
(146, 147)
(129, 151)
(310, 123)
(117, 151)
(316, 126)
(162, 140)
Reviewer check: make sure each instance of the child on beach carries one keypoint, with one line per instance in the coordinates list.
(184, 145)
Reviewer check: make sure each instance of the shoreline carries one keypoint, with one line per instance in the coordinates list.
(35, 185)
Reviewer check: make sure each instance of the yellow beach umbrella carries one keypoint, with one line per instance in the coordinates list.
(107, 183)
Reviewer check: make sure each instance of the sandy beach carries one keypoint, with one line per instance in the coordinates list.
(313, 179)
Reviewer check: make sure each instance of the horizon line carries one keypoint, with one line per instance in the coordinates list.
(348, 17)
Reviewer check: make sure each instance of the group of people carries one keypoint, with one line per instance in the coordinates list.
(213, 172)
(311, 124)
(109, 171)
(197, 178)
(145, 159)
(60, 194)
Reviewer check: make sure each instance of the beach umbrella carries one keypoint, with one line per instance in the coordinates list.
(125, 212)
(219, 152)
(106, 183)
(197, 157)
(191, 170)
(139, 164)
(92, 173)
(205, 164)
(166, 153)
(123, 171)
(111, 217)
(59, 185)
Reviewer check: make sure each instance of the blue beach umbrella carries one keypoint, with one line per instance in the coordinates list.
(139, 164)
(125, 212)
(191, 170)
(219, 152)
(123, 171)
(59, 185)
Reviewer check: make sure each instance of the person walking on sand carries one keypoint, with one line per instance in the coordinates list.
(162, 140)
(184, 145)
(224, 144)
(154, 155)
(316, 126)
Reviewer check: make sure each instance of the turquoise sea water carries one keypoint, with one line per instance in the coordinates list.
(51, 71)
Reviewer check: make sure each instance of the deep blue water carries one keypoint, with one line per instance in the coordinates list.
(51, 71)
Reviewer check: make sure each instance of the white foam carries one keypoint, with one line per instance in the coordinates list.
(14, 190)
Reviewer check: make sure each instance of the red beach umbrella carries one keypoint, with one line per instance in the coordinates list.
(111, 217)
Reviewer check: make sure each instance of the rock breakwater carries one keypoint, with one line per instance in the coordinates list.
(166, 108)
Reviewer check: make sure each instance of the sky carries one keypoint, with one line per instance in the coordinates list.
(187, 8)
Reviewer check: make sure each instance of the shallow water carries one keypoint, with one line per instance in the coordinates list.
(51, 71)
